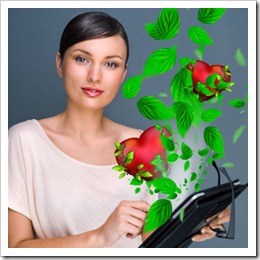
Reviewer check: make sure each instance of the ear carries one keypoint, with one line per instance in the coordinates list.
(59, 64)
(123, 78)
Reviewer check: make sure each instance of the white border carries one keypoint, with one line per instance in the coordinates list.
(251, 250)
(127, 4)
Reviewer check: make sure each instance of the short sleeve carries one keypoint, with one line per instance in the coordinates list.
(17, 185)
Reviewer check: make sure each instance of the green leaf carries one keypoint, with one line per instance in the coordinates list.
(157, 160)
(140, 166)
(211, 114)
(184, 117)
(186, 152)
(136, 182)
(237, 103)
(197, 187)
(210, 15)
(238, 133)
(181, 90)
(118, 146)
(160, 61)
(209, 160)
(132, 87)
(225, 85)
(158, 214)
(240, 58)
(203, 89)
(119, 168)
(151, 192)
(210, 81)
(163, 95)
(213, 138)
(137, 190)
(154, 109)
(199, 36)
(216, 156)
(123, 174)
(129, 157)
(172, 196)
(138, 177)
(199, 52)
(159, 164)
(193, 176)
(228, 164)
(186, 165)
(181, 81)
(145, 174)
(167, 25)
(185, 61)
(118, 153)
(182, 214)
(203, 152)
(158, 127)
(167, 143)
(172, 158)
(165, 185)
(216, 99)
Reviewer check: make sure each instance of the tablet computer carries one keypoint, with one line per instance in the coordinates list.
(198, 207)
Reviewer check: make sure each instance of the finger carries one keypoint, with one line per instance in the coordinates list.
(207, 230)
(135, 222)
(219, 221)
(225, 212)
(132, 231)
(136, 213)
(202, 237)
(141, 205)
(206, 233)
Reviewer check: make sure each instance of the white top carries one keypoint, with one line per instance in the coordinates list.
(61, 195)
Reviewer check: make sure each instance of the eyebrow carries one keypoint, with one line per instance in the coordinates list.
(107, 57)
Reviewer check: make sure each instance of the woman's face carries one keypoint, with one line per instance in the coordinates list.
(92, 71)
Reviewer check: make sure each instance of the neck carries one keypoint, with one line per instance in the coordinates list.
(87, 123)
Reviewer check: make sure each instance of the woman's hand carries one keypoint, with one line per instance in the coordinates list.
(127, 219)
(214, 222)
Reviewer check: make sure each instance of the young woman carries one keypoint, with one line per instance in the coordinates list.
(62, 189)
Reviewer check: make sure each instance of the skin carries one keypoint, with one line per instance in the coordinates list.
(98, 63)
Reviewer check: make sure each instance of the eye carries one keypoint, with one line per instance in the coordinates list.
(81, 59)
(111, 65)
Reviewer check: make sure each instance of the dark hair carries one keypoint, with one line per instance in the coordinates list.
(91, 25)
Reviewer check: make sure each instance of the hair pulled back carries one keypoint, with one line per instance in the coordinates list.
(88, 26)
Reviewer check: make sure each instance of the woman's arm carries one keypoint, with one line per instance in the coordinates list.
(20, 234)
(127, 219)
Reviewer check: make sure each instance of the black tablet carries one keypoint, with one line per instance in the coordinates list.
(198, 207)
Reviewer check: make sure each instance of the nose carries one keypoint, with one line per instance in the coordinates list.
(94, 74)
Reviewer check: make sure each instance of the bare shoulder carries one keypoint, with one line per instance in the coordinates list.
(124, 132)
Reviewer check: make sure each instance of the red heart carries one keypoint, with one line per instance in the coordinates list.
(201, 71)
(145, 149)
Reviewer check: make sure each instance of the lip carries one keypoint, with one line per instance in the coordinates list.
(92, 92)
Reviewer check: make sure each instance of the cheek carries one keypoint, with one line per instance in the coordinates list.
(114, 82)
(72, 74)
